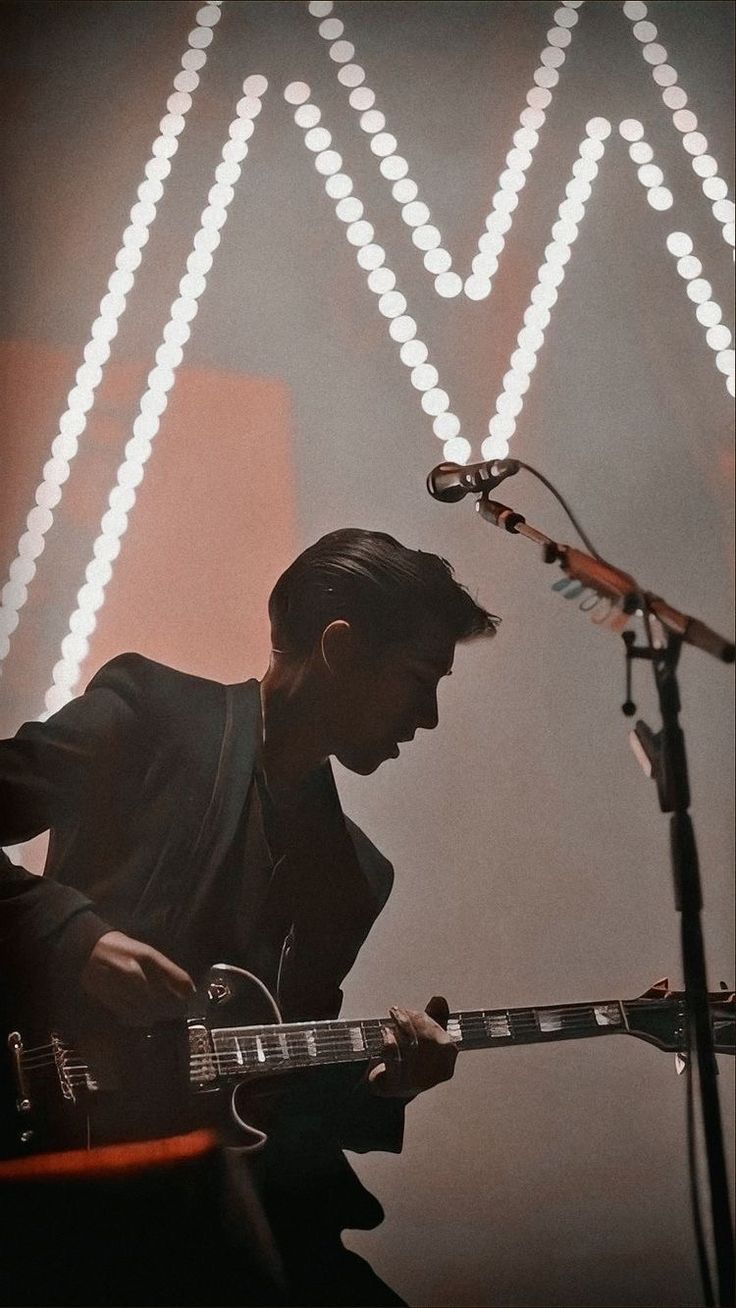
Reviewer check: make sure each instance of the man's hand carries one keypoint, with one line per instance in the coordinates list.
(417, 1052)
(139, 985)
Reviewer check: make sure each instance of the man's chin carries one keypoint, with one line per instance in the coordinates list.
(362, 764)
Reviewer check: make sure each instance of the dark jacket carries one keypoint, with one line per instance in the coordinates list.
(142, 781)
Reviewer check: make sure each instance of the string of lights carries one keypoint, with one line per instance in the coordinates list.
(371, 257)
(154, 400)
(394, 167)
(694, 142)
(81, 397)
(550, 275)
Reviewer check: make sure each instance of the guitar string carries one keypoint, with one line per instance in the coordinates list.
(340, 1044)
(344, 1025)
(338, 1037)
(344, 1029)
(477, 1025)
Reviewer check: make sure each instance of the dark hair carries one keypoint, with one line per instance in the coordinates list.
(388, 592)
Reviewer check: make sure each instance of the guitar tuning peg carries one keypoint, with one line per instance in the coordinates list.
(680, 1063)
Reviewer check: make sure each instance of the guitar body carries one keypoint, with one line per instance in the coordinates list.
(87, 1080)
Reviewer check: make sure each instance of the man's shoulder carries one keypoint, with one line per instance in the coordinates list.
(143, 682)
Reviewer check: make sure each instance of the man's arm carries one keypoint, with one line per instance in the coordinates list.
(49, 774)
(46, 777)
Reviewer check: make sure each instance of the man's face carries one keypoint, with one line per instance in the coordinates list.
(385, 698)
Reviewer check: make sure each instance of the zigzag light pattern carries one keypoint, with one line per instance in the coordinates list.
(694, 142)
(392, 304)
(544, 295)
(394, 167)
(80, 399)
(154, 400)
(700, 291)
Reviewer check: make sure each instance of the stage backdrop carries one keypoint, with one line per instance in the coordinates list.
(266, 265)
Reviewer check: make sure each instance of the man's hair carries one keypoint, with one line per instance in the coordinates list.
(389, 593)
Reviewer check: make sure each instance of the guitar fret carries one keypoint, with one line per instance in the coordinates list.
(252, 1050)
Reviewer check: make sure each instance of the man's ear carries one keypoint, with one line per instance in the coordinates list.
(338, 646)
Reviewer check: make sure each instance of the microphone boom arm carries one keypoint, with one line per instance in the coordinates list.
(610, 582)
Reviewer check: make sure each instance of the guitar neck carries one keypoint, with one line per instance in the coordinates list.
(237, 1051)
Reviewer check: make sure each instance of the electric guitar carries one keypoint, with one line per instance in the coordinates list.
(113, 1083)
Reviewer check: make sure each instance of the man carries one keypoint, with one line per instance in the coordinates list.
(194, 823)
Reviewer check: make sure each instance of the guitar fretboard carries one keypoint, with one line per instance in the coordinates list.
(239, 1051)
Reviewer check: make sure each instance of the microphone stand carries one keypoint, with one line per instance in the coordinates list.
(666, 756)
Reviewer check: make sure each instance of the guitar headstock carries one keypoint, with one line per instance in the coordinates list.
(659, 1016)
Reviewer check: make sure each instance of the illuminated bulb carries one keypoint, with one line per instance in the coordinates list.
(457, 450)
(307, 115)
(413, 352)
(448, 284)
(381, 280)
(394, 166)
(402, 328)
(373, 121)
(371, 256)
(679, 244)
(684, 120)
(446, 426)
(342, 52)
(360, 233)
(435, 401)
(437, 261)
(424, 376)
(349, 210)
(664, 75)
(674, 97)
(317, 138)
(494, 447)
(362, 97)
(695, 143)
(640, 152)
(384, 144)
(689, 267)
(351, 75)
(296, 93)
(709, 313)
(339, 186)
(477, 287)
(718, 337)
(426, 237)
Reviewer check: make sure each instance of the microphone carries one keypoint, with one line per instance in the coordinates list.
(453, 481)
